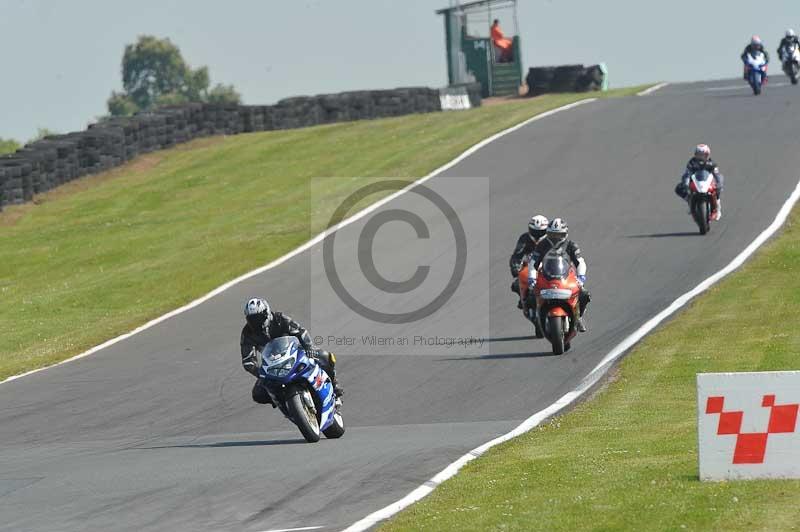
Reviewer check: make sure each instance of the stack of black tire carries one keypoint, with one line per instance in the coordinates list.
(54, 160)
(567, 78)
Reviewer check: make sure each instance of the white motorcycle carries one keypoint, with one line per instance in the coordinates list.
(702, 199)
(790, 55)
(756, 71)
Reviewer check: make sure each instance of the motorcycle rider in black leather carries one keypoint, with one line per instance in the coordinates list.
(263, 325)
(702, 161)
(556, 238)
(790, 38)
(537, 226)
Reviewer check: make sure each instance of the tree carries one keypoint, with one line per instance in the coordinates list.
(8, 146)
(43, 132)
(155, 73)
(223, 94)
(120, 104)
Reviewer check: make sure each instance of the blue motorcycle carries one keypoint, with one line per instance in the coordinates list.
(756, 71)
(300, 388)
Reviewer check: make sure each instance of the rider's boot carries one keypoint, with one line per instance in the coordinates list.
(338, 392)
(584, 299)
(718, 211)
(328, 361)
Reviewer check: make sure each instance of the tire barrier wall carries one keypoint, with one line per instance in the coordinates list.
(567, 78)
(45, 164)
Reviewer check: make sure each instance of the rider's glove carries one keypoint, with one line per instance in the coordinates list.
(250, 363)
(581, 280)
(309, 348)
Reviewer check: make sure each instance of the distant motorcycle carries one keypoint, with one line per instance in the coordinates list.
(702, 199)
(557, 294)
(790, 55)
(300, 388)
(756, 71)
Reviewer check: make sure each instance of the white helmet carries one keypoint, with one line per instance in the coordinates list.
(257, 313)
(790, 33)
(557, 231)
(537, 227)
(702, 151)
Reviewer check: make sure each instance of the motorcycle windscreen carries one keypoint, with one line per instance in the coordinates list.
(703, 175)
(555, 266)
(279, 357)
(280, 346)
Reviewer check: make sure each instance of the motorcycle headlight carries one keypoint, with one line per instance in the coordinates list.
(282, 369)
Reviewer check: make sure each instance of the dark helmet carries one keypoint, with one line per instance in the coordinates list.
(257, 313)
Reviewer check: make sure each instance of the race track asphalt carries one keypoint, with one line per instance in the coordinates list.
(158, 432)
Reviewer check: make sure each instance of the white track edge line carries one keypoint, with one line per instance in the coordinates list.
(295, 529)
(651, 90)
(280, 260)
(590, 380)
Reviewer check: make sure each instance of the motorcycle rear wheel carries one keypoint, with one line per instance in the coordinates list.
(556, 332)
(336, 430)
(303, 417)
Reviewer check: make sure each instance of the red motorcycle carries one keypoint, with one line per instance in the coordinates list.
(557, 292)
(703, 199)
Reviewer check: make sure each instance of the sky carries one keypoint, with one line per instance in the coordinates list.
(61, 60)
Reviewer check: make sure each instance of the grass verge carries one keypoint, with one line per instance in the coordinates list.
(102, 255)
(627, 460)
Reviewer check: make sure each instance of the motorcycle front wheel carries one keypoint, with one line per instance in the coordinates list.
(303, 415)
(555, 326)
(701, 216)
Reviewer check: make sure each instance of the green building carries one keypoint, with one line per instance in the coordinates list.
(471, 52)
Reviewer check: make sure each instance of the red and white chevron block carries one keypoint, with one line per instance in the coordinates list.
(748, 426)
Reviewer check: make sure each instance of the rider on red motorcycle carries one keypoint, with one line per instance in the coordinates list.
(526, 243)
(556, 237)
(702, 161)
